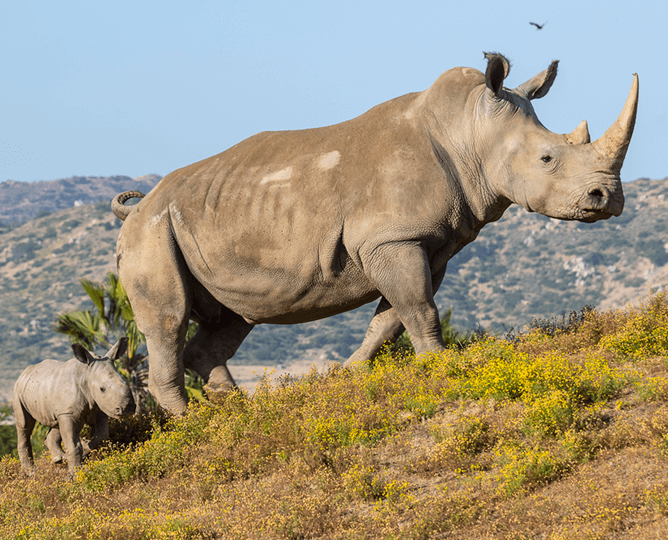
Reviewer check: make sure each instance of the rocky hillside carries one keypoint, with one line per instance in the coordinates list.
(527, 265)
(521, 267)
(22, 201)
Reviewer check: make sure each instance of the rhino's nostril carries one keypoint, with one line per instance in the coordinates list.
(597, 193)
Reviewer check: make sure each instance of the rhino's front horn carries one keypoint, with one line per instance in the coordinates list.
(615, 141)
(580, 135)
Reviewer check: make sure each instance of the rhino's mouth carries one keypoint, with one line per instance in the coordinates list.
(599, 203)
(589, 216)
(123, 410)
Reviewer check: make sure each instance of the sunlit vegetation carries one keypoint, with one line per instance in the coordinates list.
(559, 432)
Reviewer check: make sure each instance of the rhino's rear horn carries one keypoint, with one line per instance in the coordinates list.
(580, 135)
(614, 143)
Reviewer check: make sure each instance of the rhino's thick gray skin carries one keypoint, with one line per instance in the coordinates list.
(287, 227)
(66, 395)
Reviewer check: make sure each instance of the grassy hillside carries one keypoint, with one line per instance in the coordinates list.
(561, 432)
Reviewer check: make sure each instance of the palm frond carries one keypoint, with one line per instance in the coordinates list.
(96, 293)
(82, 327)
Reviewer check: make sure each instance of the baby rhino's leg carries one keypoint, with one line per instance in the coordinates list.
(71, 442)
(52, 442)
(25, 423)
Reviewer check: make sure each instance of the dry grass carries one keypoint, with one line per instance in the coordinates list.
(557, 435)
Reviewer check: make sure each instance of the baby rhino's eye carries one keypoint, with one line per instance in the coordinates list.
(102, 388)
(546, 159)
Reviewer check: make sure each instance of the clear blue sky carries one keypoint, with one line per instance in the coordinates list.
(92, 88)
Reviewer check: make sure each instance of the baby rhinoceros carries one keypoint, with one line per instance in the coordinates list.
(66, 395)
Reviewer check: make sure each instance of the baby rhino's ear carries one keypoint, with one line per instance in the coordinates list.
(82, 354)
(118, 349)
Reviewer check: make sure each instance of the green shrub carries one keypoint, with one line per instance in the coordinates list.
(524, 468)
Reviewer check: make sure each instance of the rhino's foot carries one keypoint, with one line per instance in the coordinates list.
(86, 447)
(171, 399)
(57, 459)
(352, 363)
(220, 383)
(355, 361)
(218, 393)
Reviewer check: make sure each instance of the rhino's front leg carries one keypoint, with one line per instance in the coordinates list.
(402, 274)
(70, 437)
(384, 327)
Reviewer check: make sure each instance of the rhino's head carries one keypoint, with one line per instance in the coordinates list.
(561, 176)
(104, 384)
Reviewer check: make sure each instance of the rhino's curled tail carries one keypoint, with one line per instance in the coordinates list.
(118, 203)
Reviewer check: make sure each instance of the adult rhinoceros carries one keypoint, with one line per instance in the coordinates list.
(288, 227)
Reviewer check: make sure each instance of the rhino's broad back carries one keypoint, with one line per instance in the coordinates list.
(275, 226)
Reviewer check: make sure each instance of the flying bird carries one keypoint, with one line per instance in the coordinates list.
(538, 26)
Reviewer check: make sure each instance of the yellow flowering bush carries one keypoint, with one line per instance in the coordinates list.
(523, 467)
(552, 413)
(644, 332)
(458, 445)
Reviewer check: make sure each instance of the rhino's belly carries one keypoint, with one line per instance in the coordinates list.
(279, 296)
(306, 313)
(267, 276)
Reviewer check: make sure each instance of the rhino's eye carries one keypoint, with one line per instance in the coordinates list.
(102, 388)
(546, 158)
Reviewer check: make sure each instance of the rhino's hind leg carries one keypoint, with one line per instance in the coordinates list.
(165, 372)
(384, 327)
(25, 423)
(53, 443)
(157, 281)
(209, 350)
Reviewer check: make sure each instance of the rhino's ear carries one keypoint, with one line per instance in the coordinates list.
(498, 68)
(538, 86)
(118, 350)
(81, 354)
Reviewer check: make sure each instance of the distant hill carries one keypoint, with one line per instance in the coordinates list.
(527, 265)
(521, 267)
(22, 201)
